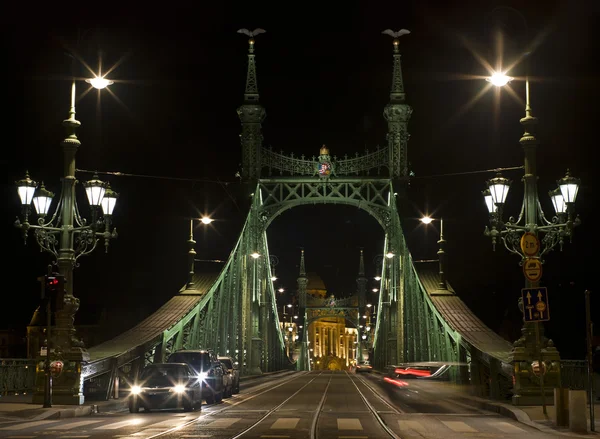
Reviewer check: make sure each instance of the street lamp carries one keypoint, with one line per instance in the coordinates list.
(273, 262)
(441, 253)
(191, 251)
(521, 236)
(532, 219)
(66, 235)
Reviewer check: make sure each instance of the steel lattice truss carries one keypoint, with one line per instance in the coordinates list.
(237, 314)
(282, 194)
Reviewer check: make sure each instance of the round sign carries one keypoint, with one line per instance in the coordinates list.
(532, 269)
(540, 307)
(530, 244)
(537, 370)
(56, 368)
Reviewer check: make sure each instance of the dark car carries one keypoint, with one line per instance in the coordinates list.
(227, 382)
(363, 366)
(166, 385)
(208, 369)
(233, 369)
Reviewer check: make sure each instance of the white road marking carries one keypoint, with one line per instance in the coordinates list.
(75, 425)
(349, 424)
(459, 427)
(505, 427)
(25, 425)
(285, 423)
(223, 422)
(413, 425)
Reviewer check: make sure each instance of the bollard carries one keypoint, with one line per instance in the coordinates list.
(561, 407)
(578, 411)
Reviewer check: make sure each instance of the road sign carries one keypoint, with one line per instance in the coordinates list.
(535, 304)
(532, 269)
(530, 244)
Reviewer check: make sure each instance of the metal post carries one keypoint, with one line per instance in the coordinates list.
(48, 376)
(442, 257)
(541, 365)
(191, 255)
(588, 326)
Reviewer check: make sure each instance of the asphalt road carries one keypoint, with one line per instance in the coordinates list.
(315, 405)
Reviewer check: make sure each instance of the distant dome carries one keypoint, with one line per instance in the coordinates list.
(316, 286)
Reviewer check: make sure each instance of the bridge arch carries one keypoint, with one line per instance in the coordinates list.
(370, 195)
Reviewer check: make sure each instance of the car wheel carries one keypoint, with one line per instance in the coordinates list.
(188, 405)
(210, 399)
(236, 390)
(134, 407)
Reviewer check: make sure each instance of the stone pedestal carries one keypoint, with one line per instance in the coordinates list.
(527, 387)
(578, 411)
(67, 388)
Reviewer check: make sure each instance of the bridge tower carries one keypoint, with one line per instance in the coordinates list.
(397, 113)
(251, 114)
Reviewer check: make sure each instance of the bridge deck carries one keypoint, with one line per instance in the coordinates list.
(154, 325)
(459, 316)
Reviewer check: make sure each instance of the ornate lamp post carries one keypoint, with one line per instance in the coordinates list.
(442, 285)
(191, 251)
(521, 236)
(67, 235)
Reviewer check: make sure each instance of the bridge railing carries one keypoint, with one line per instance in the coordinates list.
(573, 374)
(17, 375)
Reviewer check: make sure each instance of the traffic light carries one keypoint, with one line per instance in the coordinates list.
(54, 288)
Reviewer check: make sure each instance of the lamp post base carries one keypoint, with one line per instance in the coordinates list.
(525, 357)
(67, 387)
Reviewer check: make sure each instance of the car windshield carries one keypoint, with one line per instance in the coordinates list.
(227, 363)
(198, 360)
(165, 375)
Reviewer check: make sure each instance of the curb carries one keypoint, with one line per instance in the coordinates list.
(64, 413)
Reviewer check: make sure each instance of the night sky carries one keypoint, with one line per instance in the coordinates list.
(324, 78)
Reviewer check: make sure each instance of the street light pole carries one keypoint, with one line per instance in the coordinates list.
(67, 236)
(442, 285)
(521, 237)
(191, 251)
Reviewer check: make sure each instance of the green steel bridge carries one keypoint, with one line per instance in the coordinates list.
(234, 311)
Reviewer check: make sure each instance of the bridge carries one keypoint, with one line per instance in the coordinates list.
(234, 312)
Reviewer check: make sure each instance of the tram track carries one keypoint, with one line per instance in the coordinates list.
(273, 410)
(225, 409)
(314, 429)
(372, 409)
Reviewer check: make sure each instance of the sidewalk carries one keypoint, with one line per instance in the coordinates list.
(18, 407)
(533, 415)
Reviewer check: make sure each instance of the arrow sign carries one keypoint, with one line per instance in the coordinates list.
(535, 304)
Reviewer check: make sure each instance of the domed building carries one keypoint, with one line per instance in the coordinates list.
(333, 342)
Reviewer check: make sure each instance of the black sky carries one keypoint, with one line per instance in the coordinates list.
(324, 77)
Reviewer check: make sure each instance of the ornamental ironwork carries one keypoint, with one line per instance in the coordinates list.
(324, 165)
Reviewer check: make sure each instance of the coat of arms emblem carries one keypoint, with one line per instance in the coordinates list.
(325, 166)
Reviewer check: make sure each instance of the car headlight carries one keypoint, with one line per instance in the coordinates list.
(179, 388)
(202, 376)
(136, 390)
